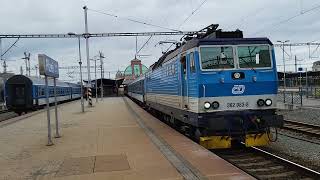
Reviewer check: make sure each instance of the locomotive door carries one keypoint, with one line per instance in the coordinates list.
(184, 82)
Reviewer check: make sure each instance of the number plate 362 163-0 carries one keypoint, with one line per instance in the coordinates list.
(238, 105)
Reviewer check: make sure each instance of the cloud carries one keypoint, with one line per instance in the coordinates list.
(253, 17)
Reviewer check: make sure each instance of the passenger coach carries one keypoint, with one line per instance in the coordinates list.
(24, 93)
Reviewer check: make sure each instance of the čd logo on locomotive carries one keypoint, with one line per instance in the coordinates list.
(238, 89)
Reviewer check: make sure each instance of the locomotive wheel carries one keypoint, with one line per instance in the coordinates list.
(197, 135)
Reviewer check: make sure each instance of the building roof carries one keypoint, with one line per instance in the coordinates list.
(106, 82)
(128, 70)
(298, 74)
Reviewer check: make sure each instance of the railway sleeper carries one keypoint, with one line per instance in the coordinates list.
(260, 163)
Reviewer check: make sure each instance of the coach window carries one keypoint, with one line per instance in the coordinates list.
(42, 91)
(192, 64)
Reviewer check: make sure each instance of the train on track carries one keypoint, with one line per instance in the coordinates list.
(215, 86)
(25, 94)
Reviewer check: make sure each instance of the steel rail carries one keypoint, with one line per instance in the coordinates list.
(258, 163)
(4, 111)
(288, 161)
(301, 127)
(299, 138)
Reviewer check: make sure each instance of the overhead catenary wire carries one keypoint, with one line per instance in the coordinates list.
(133, 20)
(10, 47)
(277, 24)
(144, 45)
(244, 18)
(192, 13)
(136, 21)
(186, 19)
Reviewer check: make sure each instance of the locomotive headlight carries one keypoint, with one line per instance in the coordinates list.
(268, 102)
(215, 105)
(260, 102)
(237, 75)
(207, 105)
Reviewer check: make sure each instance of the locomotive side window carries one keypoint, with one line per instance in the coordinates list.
(183, 63)
(192, 64)
(254, 56)
(217, 57)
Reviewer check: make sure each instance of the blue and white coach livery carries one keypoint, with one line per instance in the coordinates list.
(28, 93)
(136, 89)
(218, 87)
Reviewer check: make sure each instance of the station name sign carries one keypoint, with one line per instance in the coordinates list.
(48, 66)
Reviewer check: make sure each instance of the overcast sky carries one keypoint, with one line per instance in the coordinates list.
(263, 18)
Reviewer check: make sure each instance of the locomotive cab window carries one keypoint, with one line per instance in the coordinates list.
(184, 64)
(192, 64)
(217, 57)
(254, 56)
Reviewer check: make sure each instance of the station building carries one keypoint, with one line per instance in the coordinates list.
(114, 87)
(132, 71)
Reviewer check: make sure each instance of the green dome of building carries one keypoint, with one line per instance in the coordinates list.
(136, 70)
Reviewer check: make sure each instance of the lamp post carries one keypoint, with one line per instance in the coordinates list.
(284, 64)
(86, 36)
(80, 64)
(27, 61)
(95, 75)
(101, 66)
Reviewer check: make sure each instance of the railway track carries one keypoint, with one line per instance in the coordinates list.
(4, 111)
(6, 114)
(300, 127)
(264, 165)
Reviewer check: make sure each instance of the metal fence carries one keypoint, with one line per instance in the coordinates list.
(310, 92)
(290, 97)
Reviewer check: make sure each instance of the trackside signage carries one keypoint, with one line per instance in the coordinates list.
(48, 66)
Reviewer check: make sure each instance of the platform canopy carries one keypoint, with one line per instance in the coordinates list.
(106, 82)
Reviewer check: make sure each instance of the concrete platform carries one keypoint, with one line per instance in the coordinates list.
(116, 139)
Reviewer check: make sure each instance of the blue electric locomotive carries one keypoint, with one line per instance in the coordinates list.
(217, 86)
(24, 93)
